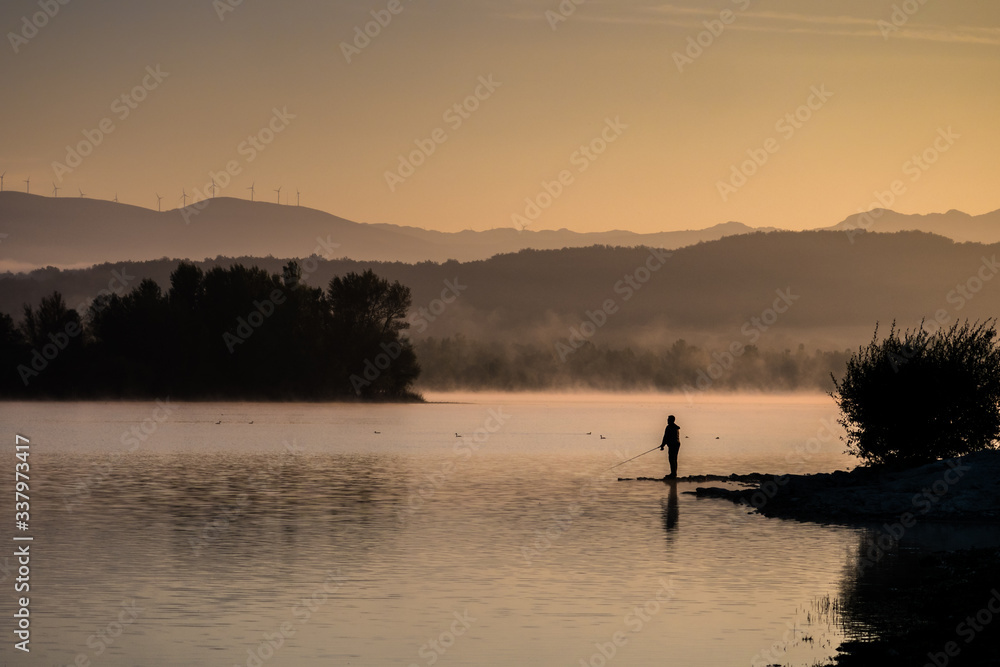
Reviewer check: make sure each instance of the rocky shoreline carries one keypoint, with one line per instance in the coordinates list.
(964, 489)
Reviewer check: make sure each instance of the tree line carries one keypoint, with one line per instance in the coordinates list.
(236, 332)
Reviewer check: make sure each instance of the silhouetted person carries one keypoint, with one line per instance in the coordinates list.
(672, 441)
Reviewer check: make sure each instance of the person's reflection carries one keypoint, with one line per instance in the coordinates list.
(670, 507)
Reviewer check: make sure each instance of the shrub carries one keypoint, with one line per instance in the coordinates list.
(916, 396)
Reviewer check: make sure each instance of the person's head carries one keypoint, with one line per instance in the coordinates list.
(670, 419)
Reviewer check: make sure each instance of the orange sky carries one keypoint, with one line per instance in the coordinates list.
(664, 121)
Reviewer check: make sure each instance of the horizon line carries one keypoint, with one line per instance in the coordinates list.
(490, 229)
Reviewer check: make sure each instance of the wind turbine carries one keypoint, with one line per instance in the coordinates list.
(115, 200)
(252, 190)
(158, 198)
(279, 194)
(55, 190)
(27, 182)
(82, 194)
(1, 180)
(298, 197)
(213, 188)
(184, 197)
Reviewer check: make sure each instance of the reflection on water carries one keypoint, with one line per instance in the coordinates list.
(670, 511)
(913, 581)
(307, 538)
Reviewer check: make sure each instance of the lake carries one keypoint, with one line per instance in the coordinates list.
(477, 529)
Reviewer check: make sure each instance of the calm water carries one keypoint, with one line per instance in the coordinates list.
(372, 535)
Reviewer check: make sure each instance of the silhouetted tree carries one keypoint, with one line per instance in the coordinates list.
(13, 351)
(51, 318)
(9, 333)
(368, 314)
(363, 303)
(304, 322)
(918, 396)
(55, 336)
(133, 337)
(188, 355)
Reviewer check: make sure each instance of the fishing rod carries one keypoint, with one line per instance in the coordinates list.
(634, 457)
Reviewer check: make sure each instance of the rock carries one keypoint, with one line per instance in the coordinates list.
(961, 489)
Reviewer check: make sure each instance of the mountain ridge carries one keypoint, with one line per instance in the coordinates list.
(837, 290)
(954, 224)
(74, 232)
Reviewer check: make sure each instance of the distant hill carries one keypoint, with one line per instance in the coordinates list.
(38, 231)
(832, 291)
(76, 232)
(955, 225)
